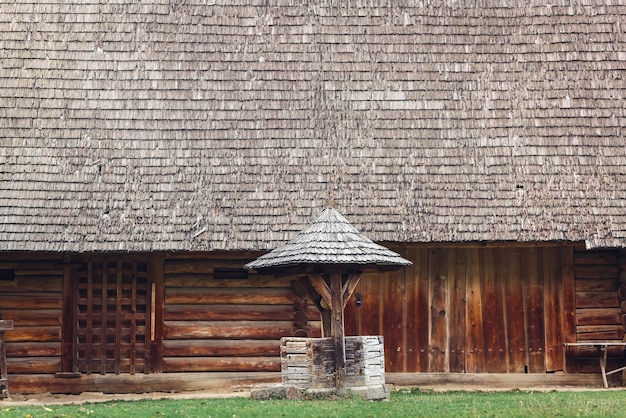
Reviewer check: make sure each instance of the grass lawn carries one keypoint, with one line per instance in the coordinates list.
(402, 404)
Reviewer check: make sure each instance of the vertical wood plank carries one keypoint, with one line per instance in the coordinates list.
(133, 318)
(118, 316)
(475, 358)
(417, 310)
(457, 308)
(438, 336)
(569, 305)
(89, 326)
(103, 322)
(370, 310)
(68, 329)
(393, 309)
(553, 308)
(532, 279)
(510, 262)
(352, 313)
(494, 339)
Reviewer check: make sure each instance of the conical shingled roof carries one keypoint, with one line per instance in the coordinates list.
(330, 239)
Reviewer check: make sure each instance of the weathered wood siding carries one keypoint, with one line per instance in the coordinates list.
(217, 318)
(31, 294)
(456, 309)
(471, 309)
(599, 303)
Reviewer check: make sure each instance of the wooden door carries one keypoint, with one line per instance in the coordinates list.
(112, 317)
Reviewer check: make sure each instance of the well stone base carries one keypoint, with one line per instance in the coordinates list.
(308, 363)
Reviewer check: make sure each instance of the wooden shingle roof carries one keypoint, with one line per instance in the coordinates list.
(164, 125)
(329, 240)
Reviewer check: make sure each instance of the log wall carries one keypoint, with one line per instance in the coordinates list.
(458, 309)
(219, 318)
(31, 295)
(599, 304)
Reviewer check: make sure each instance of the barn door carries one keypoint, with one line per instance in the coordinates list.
(112, 317)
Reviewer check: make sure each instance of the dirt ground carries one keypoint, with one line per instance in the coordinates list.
(94, 397)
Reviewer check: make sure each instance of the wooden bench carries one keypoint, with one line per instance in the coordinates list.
(602, 350)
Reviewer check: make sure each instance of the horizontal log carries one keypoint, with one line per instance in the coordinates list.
(200, 266)
(599, 328)
(228, 312)
(613, 351)
(600, 335)
(30, 317)
(28, 259)
(596, 257)
(35, 334)
(32, 284)
(31, 301)
(221, 348)
(597, 285)
(215, 382)
(597, 300)
(265, 330)
(608, 316)
(596, 272)
(221, 364)
(590, 365)
(33, 349)
(21, 365)
(228, 296)
(208, 280)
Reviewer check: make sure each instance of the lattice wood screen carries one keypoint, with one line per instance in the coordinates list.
(112, 311)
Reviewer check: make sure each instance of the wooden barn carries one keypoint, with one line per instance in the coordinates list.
(149, 150)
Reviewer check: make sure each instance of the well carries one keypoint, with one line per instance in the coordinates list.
(327, 259)
(309, 364)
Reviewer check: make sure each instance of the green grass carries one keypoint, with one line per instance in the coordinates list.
(402, 404)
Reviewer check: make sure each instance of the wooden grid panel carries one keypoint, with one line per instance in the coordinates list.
(112, 314)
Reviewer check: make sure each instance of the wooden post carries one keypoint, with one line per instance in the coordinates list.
(4, 382)
(337, 331)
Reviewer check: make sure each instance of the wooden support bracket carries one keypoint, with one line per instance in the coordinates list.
(320, 285)
(349, 286)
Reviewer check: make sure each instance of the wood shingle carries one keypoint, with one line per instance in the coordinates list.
(226, 125)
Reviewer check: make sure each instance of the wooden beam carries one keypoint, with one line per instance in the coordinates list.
(349, 286)
(337, 330)
(317, 299)
(320, 285)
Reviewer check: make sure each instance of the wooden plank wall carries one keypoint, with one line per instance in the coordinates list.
(599, 303)
(470, 309)
(214, 320)
(31, 294)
